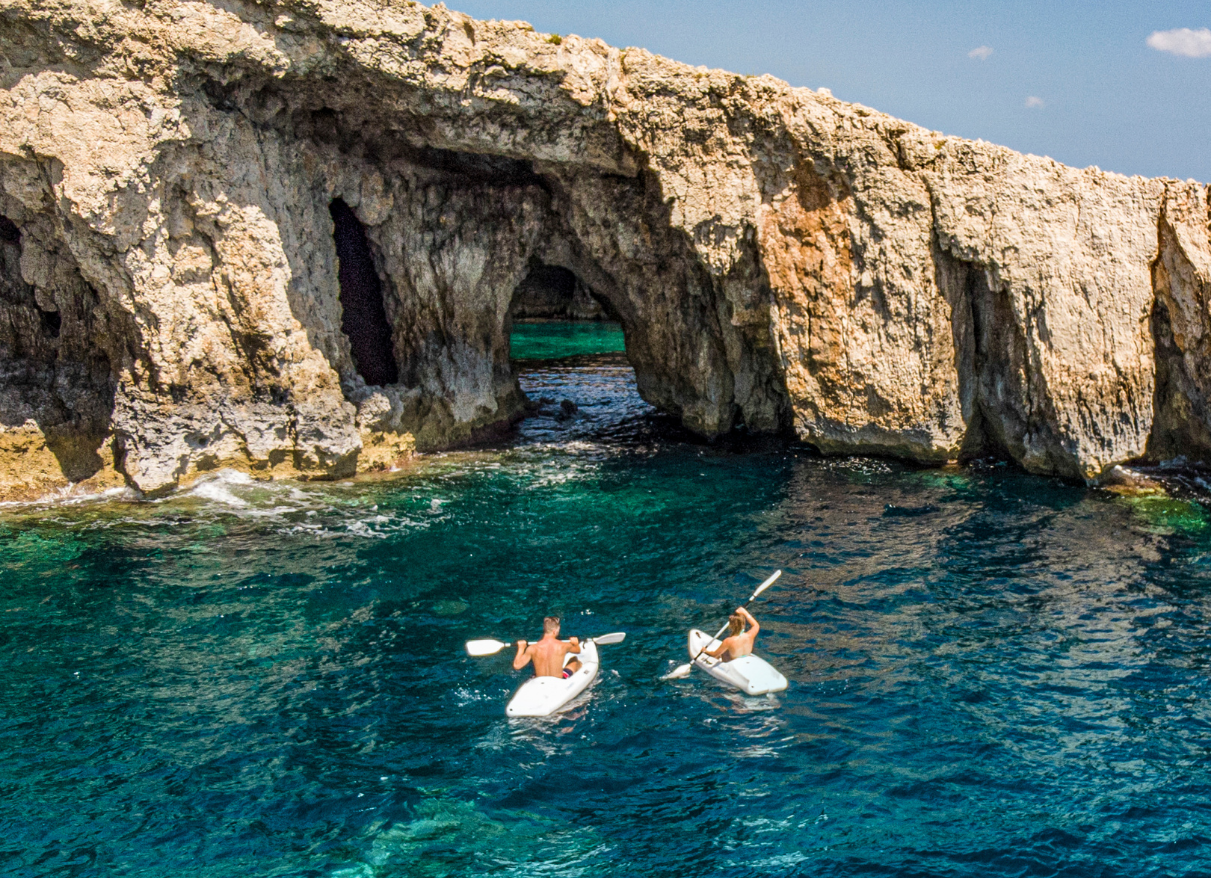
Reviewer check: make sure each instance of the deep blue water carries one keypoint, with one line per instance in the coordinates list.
(990, 673)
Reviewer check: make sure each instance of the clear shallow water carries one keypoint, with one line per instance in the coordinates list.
(990, 674)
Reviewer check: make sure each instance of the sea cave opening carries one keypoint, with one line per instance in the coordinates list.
(363, 315)
(568, 352)
(554, 315)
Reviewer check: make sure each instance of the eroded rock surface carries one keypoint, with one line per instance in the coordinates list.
(176, 177)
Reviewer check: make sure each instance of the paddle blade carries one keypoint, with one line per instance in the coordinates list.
(607, 639)
(763, 586)
(480, 648)
(678, 672)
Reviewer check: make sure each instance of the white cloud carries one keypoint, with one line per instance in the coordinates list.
(1182, 41)
(1033, 103)
(981, 53)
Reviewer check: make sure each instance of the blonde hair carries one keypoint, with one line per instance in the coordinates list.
(735, 624)
(550, 625)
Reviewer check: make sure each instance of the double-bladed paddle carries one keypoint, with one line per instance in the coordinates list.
(480, 648)
(684, 670)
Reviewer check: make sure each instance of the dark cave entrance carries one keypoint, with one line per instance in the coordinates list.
(9, 233)
(363, 316)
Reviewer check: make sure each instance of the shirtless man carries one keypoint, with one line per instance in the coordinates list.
(738, 641)
(548, 653)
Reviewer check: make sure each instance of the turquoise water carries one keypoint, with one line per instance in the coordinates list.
(550, 339)
(990, 674)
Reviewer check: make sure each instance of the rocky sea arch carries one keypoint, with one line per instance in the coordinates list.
(289, 238)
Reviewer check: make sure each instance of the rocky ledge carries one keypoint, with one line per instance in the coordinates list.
(288, 237)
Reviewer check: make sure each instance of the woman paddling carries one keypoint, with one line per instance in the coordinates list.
(738, 641)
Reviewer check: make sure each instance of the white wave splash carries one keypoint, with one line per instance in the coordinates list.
(217, 487)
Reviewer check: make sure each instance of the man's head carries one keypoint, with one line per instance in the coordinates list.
(735, 624)
(550, 625)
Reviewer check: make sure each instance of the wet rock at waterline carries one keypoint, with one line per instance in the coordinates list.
(290, 239)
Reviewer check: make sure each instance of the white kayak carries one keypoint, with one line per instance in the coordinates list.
(542, 696)
(748, 673)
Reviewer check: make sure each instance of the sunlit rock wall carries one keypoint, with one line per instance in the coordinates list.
(170, 290)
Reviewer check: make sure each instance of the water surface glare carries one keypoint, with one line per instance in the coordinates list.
(990, 673)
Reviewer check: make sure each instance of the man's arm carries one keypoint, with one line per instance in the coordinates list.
(523, 656)
(574, 645)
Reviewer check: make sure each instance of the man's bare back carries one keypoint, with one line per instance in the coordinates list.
(548, 654)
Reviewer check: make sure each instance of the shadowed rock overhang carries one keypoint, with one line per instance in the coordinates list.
(184, 186)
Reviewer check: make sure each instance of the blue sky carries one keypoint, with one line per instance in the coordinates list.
(1076, 81)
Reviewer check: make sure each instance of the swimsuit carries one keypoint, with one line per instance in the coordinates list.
(567, 672)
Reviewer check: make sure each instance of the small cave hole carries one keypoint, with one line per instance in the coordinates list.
(9, 233)
(363, 319)
(52, 322)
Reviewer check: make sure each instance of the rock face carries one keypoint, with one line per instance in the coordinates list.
(290, 237)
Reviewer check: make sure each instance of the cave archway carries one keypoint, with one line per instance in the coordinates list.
(555, 296)
(363, 316)
(568, 353)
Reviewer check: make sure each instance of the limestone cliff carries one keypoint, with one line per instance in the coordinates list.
(289, 237)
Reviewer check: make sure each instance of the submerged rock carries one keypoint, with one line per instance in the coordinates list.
(290, 238)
